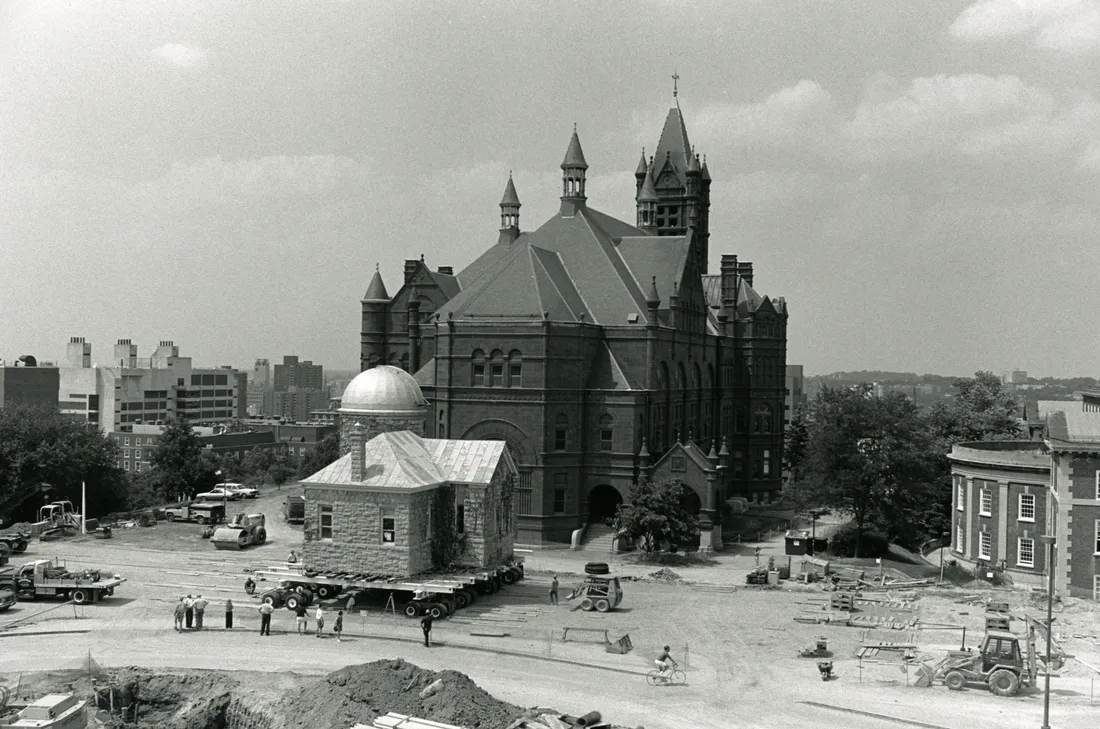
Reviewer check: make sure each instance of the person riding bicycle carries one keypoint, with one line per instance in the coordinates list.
(663, 661)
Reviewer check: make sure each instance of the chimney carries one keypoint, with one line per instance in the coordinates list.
(728, 277)
(125, 354)
(745, 271)
(78, 353)
(357, 451)
(447, 270)
(410, 268)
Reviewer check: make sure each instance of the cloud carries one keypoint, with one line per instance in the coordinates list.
(182, 56)
(1069, 26)
(215, 180)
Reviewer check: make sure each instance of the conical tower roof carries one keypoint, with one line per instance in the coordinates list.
(377, 290)
(574, 156)
(706, 170)
(674, 145)
(653, 296)
(693, 163)
(510, 198)
(643, 168)
(648, 193)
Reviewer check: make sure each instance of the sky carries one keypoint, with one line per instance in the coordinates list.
(919, 180)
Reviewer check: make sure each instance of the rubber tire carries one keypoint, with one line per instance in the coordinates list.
(483, 588)
(471, 593)
(586, 604)
(260, 536)
(450, 603)
(462, 600)
(307, 596)
(955, 680)
(508, 577)
(602, 605)
(324, 592)
(270, 598)
(201, 520)
(1003, 682)
(80, 597)
(109, 592)
(293, 600)
(651, 677)
(437, 611)
(497, 584)
(597, 568)
(411, 610)
(170, 516)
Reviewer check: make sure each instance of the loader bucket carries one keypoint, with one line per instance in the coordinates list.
(229, 538)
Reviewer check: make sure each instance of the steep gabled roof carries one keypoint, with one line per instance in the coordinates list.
(712, 290)
(674, 144)
(665, 257)
(605, 372)
(447, 283)
(748, 300)
(466, 461)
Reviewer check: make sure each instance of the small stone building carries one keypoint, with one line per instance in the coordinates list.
(399, 504)
(701, 476)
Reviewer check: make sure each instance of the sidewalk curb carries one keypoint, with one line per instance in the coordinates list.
(873, 715)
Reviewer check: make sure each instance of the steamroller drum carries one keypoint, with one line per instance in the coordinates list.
(229, 538)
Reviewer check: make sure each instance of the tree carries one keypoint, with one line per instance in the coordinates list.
(281, 469)
(982, 409)
(325, 452)
(656, 515)
(46, 456)
(865, 456)
(182, 469)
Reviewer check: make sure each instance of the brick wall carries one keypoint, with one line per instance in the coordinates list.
(1084, 563)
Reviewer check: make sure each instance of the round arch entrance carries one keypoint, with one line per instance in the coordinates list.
(603, 502)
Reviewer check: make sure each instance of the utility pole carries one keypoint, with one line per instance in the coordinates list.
(1050, 541)
(83, 508)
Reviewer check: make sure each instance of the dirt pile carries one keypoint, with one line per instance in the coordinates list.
(174, 701)
(362, 692)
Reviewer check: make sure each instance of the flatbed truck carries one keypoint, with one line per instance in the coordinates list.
(49, 578)
(435, 594)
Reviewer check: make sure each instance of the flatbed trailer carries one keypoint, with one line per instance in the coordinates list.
(437, 594)
(33, 581)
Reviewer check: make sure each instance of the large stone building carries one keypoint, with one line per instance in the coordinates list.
(1008, 494)
(590, 340)
(399, 504)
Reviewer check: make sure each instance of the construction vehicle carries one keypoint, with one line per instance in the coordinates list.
(200, 512)
(1000, 663)
(7, 588)
(14, 543)
(437, 595)
(294, 510)
(50, 578)
(602, 593)
(59, 514)
(245, 529)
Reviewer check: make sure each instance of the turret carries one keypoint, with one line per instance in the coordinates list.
(647, 205)
(639, 175)
(509, 213)
(652, 303)
(372, 348)
(573, 171)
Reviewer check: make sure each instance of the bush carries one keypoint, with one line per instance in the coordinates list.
(842, 543)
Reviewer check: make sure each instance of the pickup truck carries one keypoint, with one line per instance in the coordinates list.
(200, 512)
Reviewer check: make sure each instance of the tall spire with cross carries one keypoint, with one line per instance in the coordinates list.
(676, 86)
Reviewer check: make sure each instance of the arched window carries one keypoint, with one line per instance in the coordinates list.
(696, 377)
(662, 377)
(561, 433)
(607, 432)
(405, 361)
(394, 361)
(496, 369)
(681, 376)
(427, 308)
(741, 424)
(515, 368)
(764, 419)
(441, 430)
(373, 361)
(477, 368)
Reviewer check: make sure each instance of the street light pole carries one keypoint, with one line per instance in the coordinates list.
(1049, 540)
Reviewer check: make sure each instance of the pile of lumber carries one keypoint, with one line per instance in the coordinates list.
(544, 719)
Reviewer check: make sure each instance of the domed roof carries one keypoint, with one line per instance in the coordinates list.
(383, 390)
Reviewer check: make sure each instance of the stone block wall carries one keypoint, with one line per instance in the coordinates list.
(375, 425)
(356, 544)
(490, 521)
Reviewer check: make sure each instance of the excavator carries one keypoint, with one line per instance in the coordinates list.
(1000, 663)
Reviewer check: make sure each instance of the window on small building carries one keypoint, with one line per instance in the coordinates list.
(767, 462)
(137, 466)
(497, 371)
(515, 368)
(606, 432)
(961, 541)
(1025, 552)
(960, 502)
(126, 465)
(389, 528)
(1027, 507)
(126, 452)
(986, 503)
(1096, 546)
(763, 421)
(985, 545)
(324, 526)
(460, 518)
(137, 453)
(126, 440)
(561, 432)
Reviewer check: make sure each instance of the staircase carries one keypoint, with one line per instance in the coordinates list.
(600, 538)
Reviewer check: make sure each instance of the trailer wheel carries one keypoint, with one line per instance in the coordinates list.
(462, 600)
(603, 606)
(955, 680)
(410, 610)
(448, 605)
(324, 592)
(437, 611)
(508, 577)
(293, 600)
(471, 595)
(79, 596)
(270, 598)
(1004, 682)
(586, 604)
(307, 596)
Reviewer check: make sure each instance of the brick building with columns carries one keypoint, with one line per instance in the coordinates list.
(589, 341)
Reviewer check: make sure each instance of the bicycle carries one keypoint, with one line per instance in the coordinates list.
(658, 678)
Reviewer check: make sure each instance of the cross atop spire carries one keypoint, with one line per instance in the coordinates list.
(675, 83)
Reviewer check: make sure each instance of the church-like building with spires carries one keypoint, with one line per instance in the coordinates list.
(601, 351)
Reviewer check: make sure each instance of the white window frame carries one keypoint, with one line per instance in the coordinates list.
(984, 495)
(960, 502)
(1097, 484)
(125, 452)
(322, 511)
(985, 545)
(388, 515)
(1020, 508)
(1020, 562)
(960, 547)
(1097, 538)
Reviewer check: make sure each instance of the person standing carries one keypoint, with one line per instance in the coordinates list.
(554, 590)
(229, 615)
(320, 615)
(200, 610)
(189, 611)
(426, 626)
(338, 626)
(179, 611)
(300, 618)
(265, 618)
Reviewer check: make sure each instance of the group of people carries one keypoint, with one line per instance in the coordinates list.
(301, 617)
(190, 611)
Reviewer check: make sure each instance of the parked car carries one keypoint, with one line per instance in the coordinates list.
(218, 495)
(246, 492)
